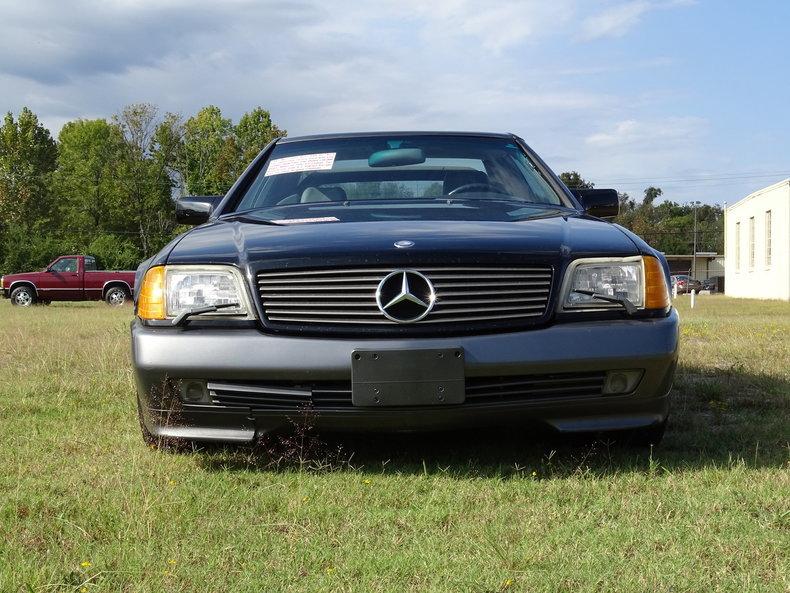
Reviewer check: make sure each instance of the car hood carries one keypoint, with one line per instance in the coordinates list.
(9, 278)
(547, 239)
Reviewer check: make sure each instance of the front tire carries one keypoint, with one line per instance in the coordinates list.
(23, 297)
(115, 297)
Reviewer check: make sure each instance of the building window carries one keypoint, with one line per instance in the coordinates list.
(737, 246)
(751, 243)
(768, 238)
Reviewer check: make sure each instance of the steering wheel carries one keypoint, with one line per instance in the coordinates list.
(471, 187)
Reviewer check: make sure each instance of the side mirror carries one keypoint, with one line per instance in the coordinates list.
(603, 203)
(195, 209)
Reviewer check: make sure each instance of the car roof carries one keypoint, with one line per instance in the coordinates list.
(394, 133)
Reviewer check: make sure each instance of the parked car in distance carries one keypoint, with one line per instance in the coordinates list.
(711, 284)
(402, 281)
(686, 284)
(68, 278)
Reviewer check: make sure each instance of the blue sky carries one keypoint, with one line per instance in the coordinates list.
(688, 95)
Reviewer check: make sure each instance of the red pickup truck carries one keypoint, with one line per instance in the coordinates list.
(68, 278)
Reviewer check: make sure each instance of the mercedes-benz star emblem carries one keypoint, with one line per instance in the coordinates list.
(405, 296)
(404, 244)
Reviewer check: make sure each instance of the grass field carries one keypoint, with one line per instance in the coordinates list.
(85, 506)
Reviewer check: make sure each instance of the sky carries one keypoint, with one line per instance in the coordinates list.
(690, 96)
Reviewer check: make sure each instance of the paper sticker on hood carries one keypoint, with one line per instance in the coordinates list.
(307, 220)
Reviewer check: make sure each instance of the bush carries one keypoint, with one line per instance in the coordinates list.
(115, 252)
(23, 249)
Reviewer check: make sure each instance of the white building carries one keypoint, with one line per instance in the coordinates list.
(757, 244)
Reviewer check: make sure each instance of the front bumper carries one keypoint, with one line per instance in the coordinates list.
(164, 355)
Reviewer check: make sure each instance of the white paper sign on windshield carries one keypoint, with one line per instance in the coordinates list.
(321, 161)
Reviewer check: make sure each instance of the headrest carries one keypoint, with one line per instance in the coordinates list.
(455, 179)
(325, 194)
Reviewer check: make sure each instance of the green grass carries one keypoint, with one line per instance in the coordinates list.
(84, 505)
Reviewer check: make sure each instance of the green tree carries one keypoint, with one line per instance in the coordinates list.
(146, 183)
(209, 153)
(27, 158)
(651, 193)
(88, 178)
(575, 181)
(254, 131)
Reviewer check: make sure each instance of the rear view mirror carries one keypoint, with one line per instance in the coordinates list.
(396, 157)
(195, 209)
(602, 203)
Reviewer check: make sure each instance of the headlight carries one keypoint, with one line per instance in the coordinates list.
(168, 291)
(639, 279)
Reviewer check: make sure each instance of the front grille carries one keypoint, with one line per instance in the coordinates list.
(280, 396)
(289, 396)
(347, 297)
(515, 388)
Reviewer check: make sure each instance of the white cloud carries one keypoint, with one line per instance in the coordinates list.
(658, 133)
(619, 19)
(346, 66)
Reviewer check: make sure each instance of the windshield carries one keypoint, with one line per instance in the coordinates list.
(395, 171)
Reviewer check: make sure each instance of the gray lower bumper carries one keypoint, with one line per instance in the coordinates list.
(248, 354)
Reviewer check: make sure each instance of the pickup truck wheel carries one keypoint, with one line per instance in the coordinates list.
(23, 297)
(115, 297)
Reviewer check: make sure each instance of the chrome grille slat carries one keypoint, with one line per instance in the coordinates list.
(313, 287)
(373, 311)
(346, 297)
(278, 303)
(385, 271)
(319, 296)
(491, 292)
(439, 285)
(482, 317)
(332, 321)
(446, 301)
(267, 282)
(484, 309)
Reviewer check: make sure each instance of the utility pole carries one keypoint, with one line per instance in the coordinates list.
(694, 253)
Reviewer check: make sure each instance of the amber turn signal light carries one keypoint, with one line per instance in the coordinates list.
(656, 291)
(151, 302)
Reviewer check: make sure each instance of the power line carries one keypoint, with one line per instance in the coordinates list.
(728, 176)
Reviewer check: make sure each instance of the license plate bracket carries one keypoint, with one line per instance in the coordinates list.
(420, 377)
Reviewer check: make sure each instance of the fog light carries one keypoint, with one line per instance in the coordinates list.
(621, 381)
(194, 392)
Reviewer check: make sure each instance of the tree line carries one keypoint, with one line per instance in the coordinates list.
(667, 226)
(106, 186)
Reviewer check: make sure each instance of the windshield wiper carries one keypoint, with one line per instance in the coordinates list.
(184, 317)
(629, 307)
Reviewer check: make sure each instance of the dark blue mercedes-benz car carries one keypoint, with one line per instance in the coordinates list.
(402, 281)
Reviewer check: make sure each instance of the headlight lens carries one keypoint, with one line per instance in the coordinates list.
(187, 289)
(168, 291)
(623, 278)
(639, 279)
